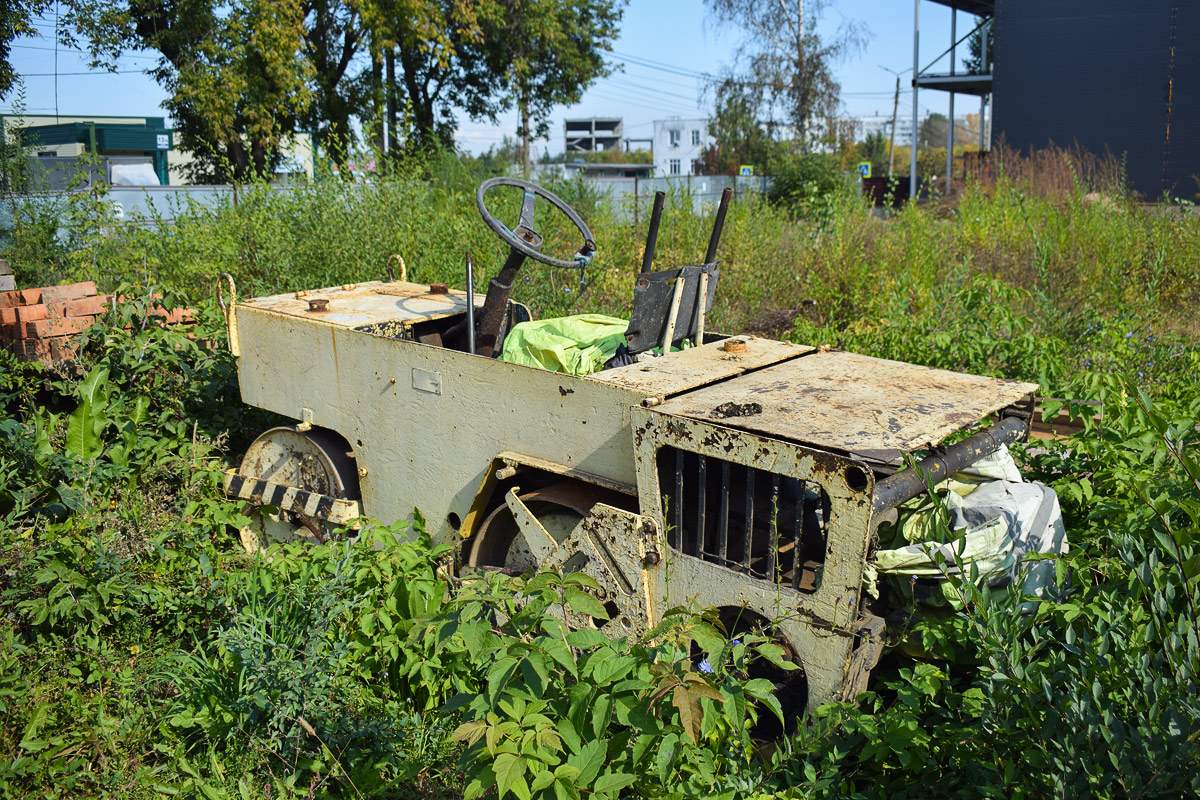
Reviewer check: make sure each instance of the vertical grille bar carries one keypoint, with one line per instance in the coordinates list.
(723, 523)
(706, 518)
(677, 534)
(773, 544)
(702, 505)
(798, 536)
(748, 536)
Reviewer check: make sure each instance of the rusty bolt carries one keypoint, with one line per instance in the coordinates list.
(318, 304)
(651, 558)
(439, 288)
(362, 472)
(393, 381)
(302, 294)
(734, 346)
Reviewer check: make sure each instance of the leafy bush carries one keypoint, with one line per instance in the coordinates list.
(809, 185)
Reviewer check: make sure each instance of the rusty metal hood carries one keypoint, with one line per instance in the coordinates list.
(850, 402)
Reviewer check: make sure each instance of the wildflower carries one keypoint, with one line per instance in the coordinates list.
(1129, 335)
(704, 666)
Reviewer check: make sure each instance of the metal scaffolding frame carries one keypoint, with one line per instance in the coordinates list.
(954, 82)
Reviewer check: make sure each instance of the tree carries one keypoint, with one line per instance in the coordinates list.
(335, 36)
(932, 132)
(738, 135)
(243, 87)
(787, 61)
(973, 62)
(548, 52)
(875, 149)
(237, 72)
(438, 47)
(16, 19)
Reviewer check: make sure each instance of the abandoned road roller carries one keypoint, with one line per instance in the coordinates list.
(674, 465)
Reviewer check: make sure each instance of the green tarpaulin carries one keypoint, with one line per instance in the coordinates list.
(578, 345)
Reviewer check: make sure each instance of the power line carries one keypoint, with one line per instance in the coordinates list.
(80, 52)
(79, 74)
(655, 92)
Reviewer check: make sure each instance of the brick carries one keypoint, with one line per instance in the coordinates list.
(25, 314)
(87, 306)
(8, 316)
(61, 349)
(11, 331)
(20, 297)
(72, 291)
(58, 326)
(7, 283)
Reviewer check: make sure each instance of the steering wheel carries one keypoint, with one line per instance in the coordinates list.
(525, 240)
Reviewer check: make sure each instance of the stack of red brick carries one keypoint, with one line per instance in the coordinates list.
(40, 324)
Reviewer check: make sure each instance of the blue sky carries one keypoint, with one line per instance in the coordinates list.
(655, 35)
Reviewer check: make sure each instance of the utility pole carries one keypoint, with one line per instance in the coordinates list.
(895, 110)
(892, 143)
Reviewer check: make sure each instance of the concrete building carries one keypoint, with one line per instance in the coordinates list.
(592, 135)
(678, 146)
(866, 126)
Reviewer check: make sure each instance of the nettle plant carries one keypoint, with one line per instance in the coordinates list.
(549, 711)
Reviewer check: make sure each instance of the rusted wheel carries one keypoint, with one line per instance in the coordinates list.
(316, 460)
(559, 507)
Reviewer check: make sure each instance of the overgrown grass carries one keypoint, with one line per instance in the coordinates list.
(142, 653)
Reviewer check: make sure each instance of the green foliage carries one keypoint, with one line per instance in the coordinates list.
(553, 712)
(809, 186)
(142, 652)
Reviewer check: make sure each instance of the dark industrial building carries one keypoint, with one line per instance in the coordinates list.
(1111, 75)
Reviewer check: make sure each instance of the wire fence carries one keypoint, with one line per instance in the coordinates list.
(632, 198)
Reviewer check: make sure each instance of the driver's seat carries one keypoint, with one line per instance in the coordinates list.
(655, 309)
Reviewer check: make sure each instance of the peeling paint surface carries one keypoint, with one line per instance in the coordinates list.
(368, 303)
(854, 403)
(700, 366)
(820, 626)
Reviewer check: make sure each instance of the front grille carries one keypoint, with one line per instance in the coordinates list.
(749, 520)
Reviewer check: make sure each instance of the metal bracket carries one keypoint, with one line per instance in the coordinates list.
(621, 547)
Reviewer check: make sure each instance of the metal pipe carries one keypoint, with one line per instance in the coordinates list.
(470, 305)
(912, 156)
(950, 126)
(903, 486)
(718, 225)
(652, 234)
(983, 56)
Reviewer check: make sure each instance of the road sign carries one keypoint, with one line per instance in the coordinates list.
(864, 169)
(746, 171)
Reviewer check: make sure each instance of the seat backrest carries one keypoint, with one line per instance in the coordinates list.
(653, 302)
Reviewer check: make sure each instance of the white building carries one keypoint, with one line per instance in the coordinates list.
(883, 124)
(678, 145)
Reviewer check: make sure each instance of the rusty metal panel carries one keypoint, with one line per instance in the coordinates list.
(851, 402)
(354, 305)
(418, 448)
(699, 366)
(821, 625)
